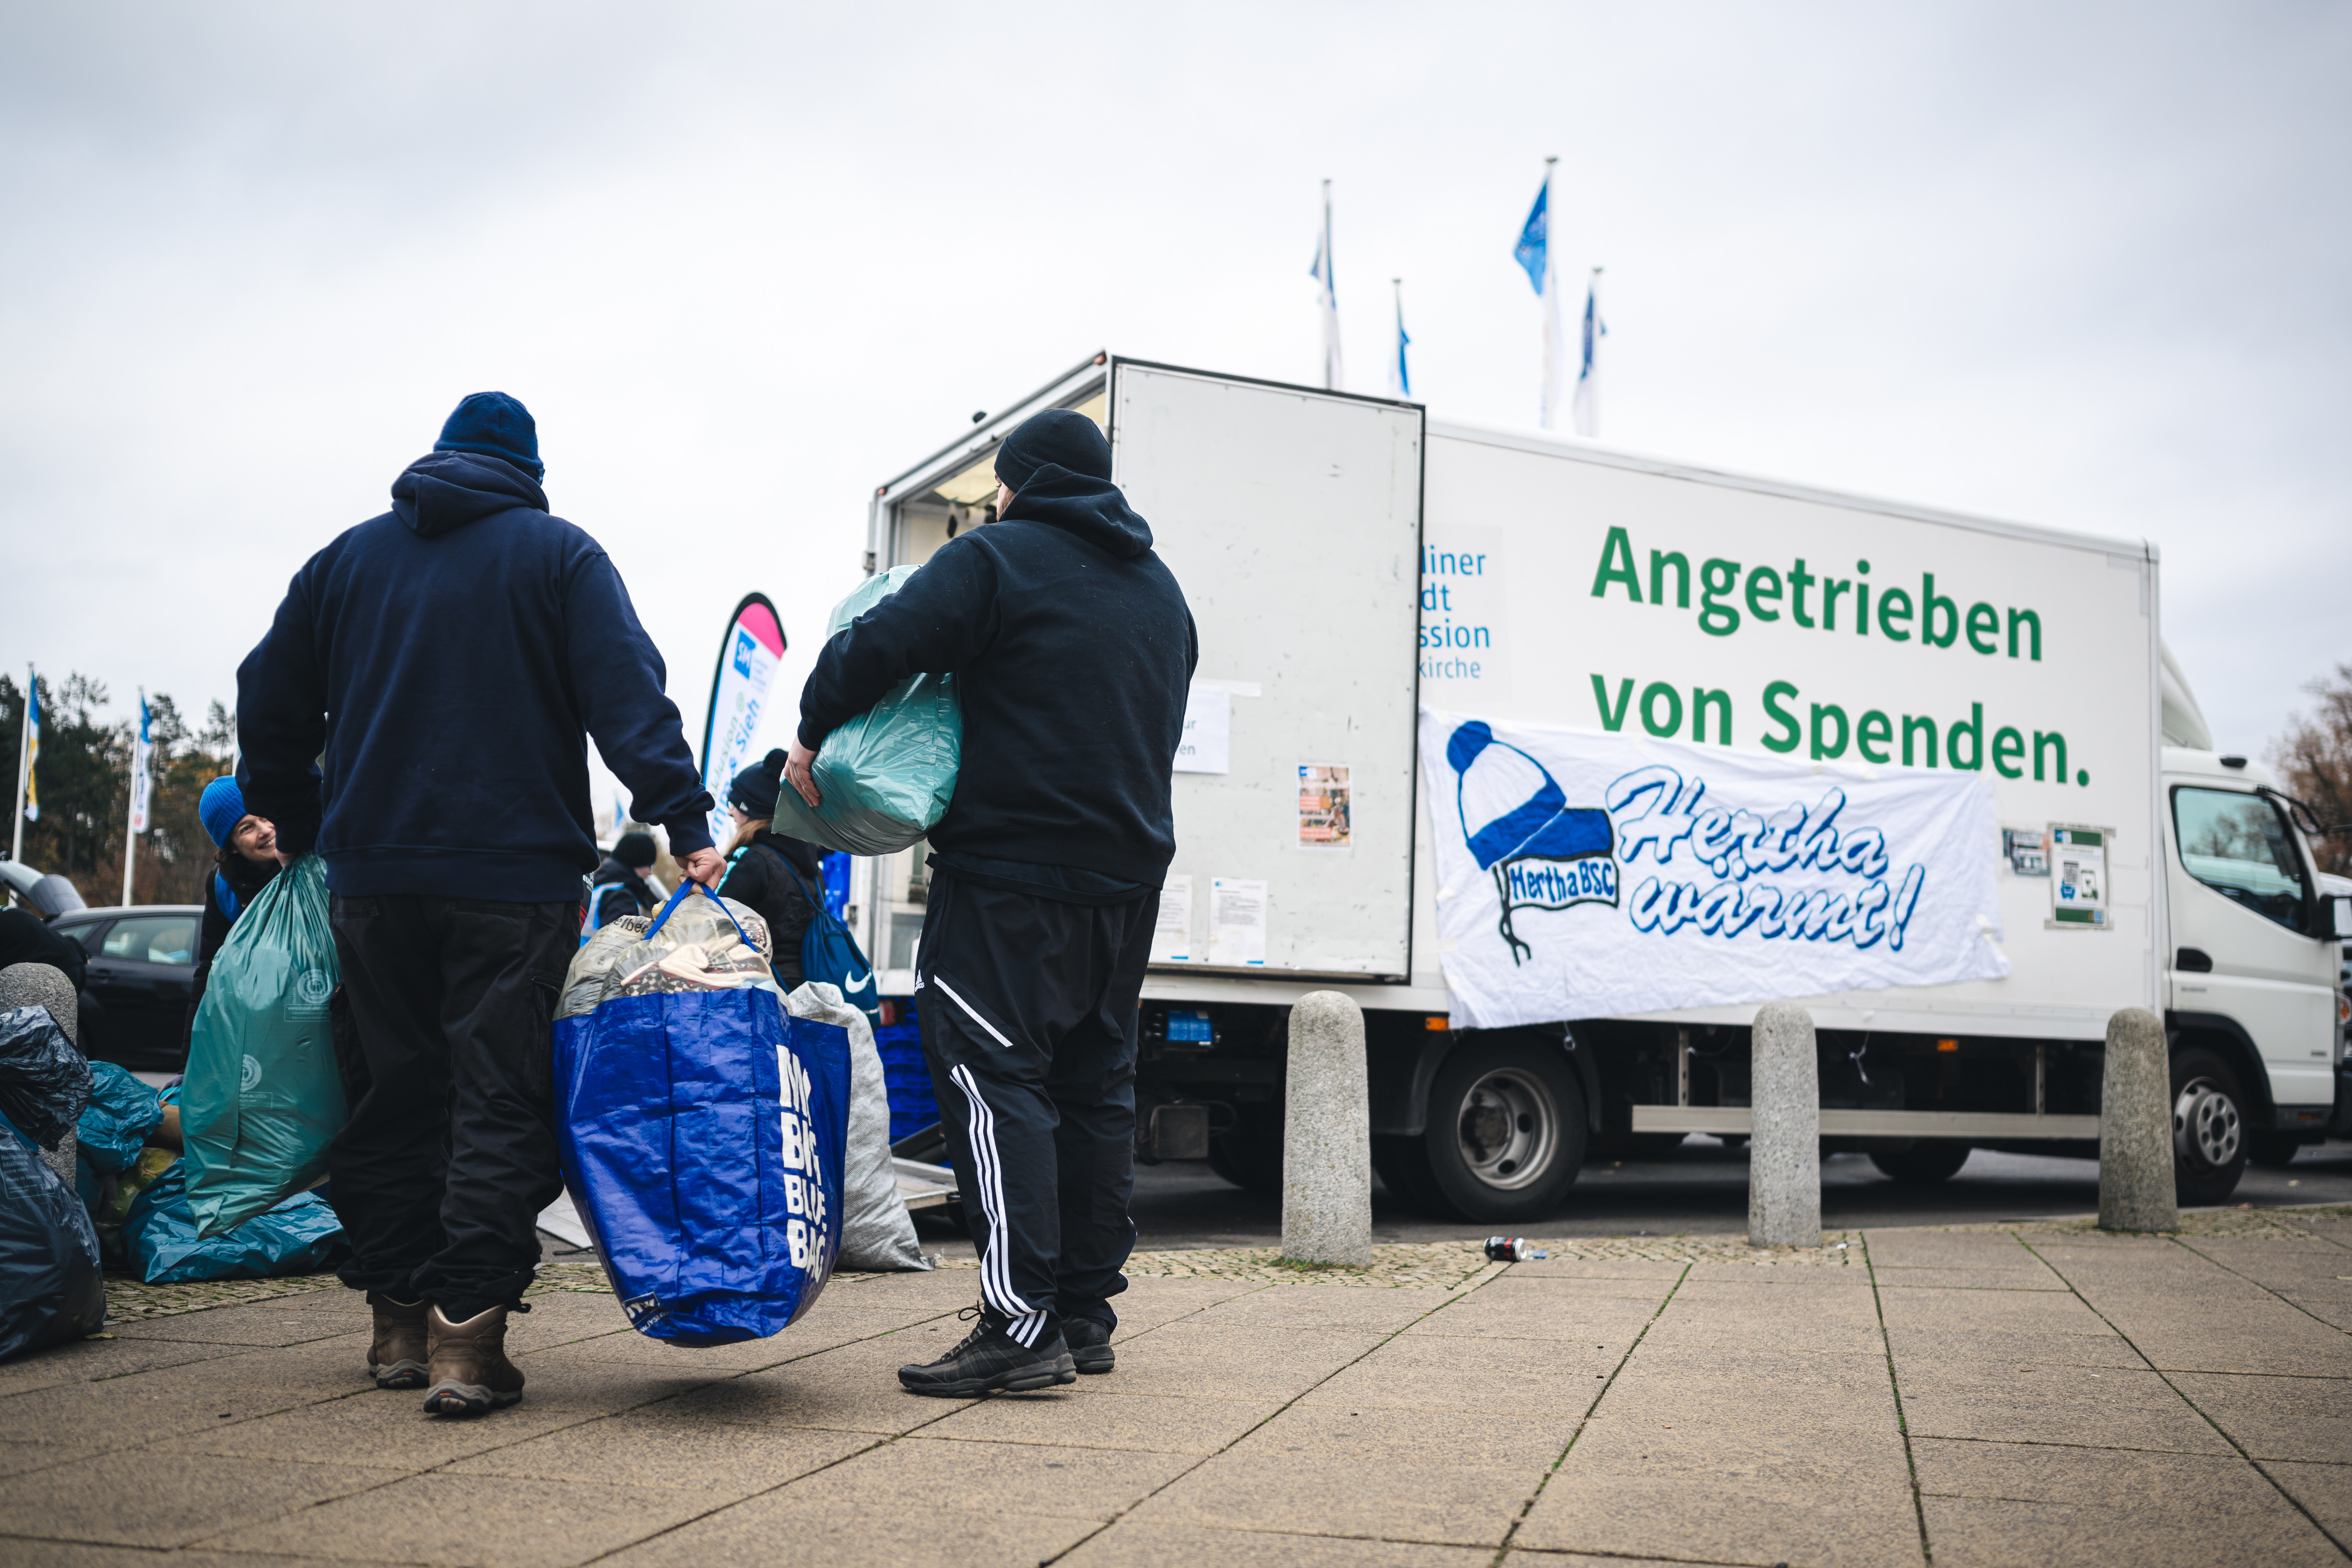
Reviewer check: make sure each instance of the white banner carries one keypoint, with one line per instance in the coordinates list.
(1586, 875)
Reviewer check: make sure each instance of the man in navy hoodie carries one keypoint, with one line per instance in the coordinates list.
(1072, 650)
(445, 662)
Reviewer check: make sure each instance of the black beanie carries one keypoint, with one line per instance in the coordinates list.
(1062, 437)
(753, 792)
(635, 850)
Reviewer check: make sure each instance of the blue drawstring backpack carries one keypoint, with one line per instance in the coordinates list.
(703, 1127)
(830, 954)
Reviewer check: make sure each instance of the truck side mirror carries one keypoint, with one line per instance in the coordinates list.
(2335, 917)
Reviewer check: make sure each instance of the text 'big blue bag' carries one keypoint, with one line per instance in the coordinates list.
(703, 1127)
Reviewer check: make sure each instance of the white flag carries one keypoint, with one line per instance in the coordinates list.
(1327, 295)
(1588, 377)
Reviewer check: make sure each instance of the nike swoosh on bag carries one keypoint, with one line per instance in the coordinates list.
(858, 982)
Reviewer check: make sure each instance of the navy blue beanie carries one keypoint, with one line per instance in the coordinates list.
(495, 425)
(1062, 437)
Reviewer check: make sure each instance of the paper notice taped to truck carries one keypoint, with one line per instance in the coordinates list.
(1591, 875)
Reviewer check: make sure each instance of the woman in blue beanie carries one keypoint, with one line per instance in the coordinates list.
(244, 859)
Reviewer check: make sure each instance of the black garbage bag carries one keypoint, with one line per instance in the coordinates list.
(44, 1080)
(51, 1287)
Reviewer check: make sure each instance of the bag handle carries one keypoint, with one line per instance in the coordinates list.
(690, 885)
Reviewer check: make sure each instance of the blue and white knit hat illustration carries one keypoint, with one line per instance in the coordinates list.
(1512, 812)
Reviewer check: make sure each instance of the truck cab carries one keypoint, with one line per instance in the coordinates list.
(2253, 999)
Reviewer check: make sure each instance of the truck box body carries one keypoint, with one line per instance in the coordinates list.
(1353, 564)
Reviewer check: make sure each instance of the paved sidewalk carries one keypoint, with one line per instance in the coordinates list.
(2032, 1395)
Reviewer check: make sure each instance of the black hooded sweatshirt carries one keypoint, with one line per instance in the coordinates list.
(1073, 651)
(450, 658)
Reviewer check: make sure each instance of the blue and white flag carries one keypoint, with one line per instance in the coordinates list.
(142, 771)
(1534, 254)
(1327, 294)
(28, 794)
(1588, 377)
(1400, 373)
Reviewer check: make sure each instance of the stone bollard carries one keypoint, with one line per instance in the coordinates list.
(1784, 1146)
(2135, 1191)
(1327, 1136)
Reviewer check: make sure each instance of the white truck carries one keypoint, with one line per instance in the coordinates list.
(1352, 563)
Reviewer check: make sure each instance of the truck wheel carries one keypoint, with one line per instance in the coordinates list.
(1928, 1161)
(2209, 1128)
(1507, 1130)
(1250, 1156)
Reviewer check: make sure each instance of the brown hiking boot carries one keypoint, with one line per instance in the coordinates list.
(397, 1354)
(469, 1371)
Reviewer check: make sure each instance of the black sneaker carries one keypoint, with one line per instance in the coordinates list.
(990, 1361)
(1089, 1344)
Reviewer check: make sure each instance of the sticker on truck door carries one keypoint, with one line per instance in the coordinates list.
(2078, 878)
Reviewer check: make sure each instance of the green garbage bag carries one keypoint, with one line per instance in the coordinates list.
(886, 776)
(263, 1098)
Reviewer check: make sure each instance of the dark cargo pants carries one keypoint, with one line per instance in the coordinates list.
(450, 1154)
(1027, 1006)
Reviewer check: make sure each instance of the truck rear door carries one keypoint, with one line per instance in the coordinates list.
(1292, 518)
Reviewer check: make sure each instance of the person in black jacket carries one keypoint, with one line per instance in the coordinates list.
(771, 872)
(449, 662)
(26, 939)
(245, 862)
(619, 886)
(1073, 651)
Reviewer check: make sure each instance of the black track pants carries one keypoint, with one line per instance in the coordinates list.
(1028, 1013)
(450, 1154)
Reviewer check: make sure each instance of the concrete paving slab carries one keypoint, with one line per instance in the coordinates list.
(2020, 1350)
(1324, 1307)
(1659, 1271)
(88, 1360)
(290, 1320)
(2324, 1490)
(809, 1335)
(1724, 1521)
(477, 1521)
(1188, 1358)
(1532, 1437)
(2255, 1333)
(390, 1427)
(1975, 1532)
(1086, 1415)
(2073, 1406)
(1736, 1399)
(18, 1458)
(2032, 1311)
(2277, 1417)
(1172, 1300)
(20, 1552)
(786, 1531)
(1505, 1376)
(1290, 1486)
(129, 1411)
(1948, 1249)
(1968, 1280)
(1765, 1271)
(1040, 1479)
(663, 1451)
(2136, 1481)
(1146, 1544)
(171, 1500)
(1543, 1310)
(854, 1388)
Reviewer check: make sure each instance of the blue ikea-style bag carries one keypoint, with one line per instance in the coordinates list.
(703, 1127)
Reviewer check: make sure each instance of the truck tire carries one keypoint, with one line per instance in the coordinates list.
(1507, 1130)
(2209, 1128)
(1250, 1156)
(1928, 1161)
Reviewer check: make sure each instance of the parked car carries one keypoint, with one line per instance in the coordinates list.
(142, 968)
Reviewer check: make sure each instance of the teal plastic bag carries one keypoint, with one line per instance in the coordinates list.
(300, 1236)
(886, 776)
(263, 1098)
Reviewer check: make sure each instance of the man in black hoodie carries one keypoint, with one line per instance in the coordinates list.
(445, 662)
(1073, 651)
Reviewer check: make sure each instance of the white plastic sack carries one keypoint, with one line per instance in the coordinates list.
(876, 1232)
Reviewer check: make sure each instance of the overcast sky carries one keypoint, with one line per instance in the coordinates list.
(2084, 266)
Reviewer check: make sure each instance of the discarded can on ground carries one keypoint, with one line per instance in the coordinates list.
(1513, 1249)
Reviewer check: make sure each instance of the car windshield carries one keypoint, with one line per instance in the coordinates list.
(2240, 846)
(153, 939)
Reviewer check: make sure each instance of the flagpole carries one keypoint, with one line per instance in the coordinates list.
(131, 806)
(1330, 300)
(24, 762)
(1551, 309)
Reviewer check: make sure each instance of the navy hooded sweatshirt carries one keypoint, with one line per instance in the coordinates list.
(448, 658)
(1073, 651)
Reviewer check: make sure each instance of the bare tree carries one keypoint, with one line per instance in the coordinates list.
(2315, 758)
